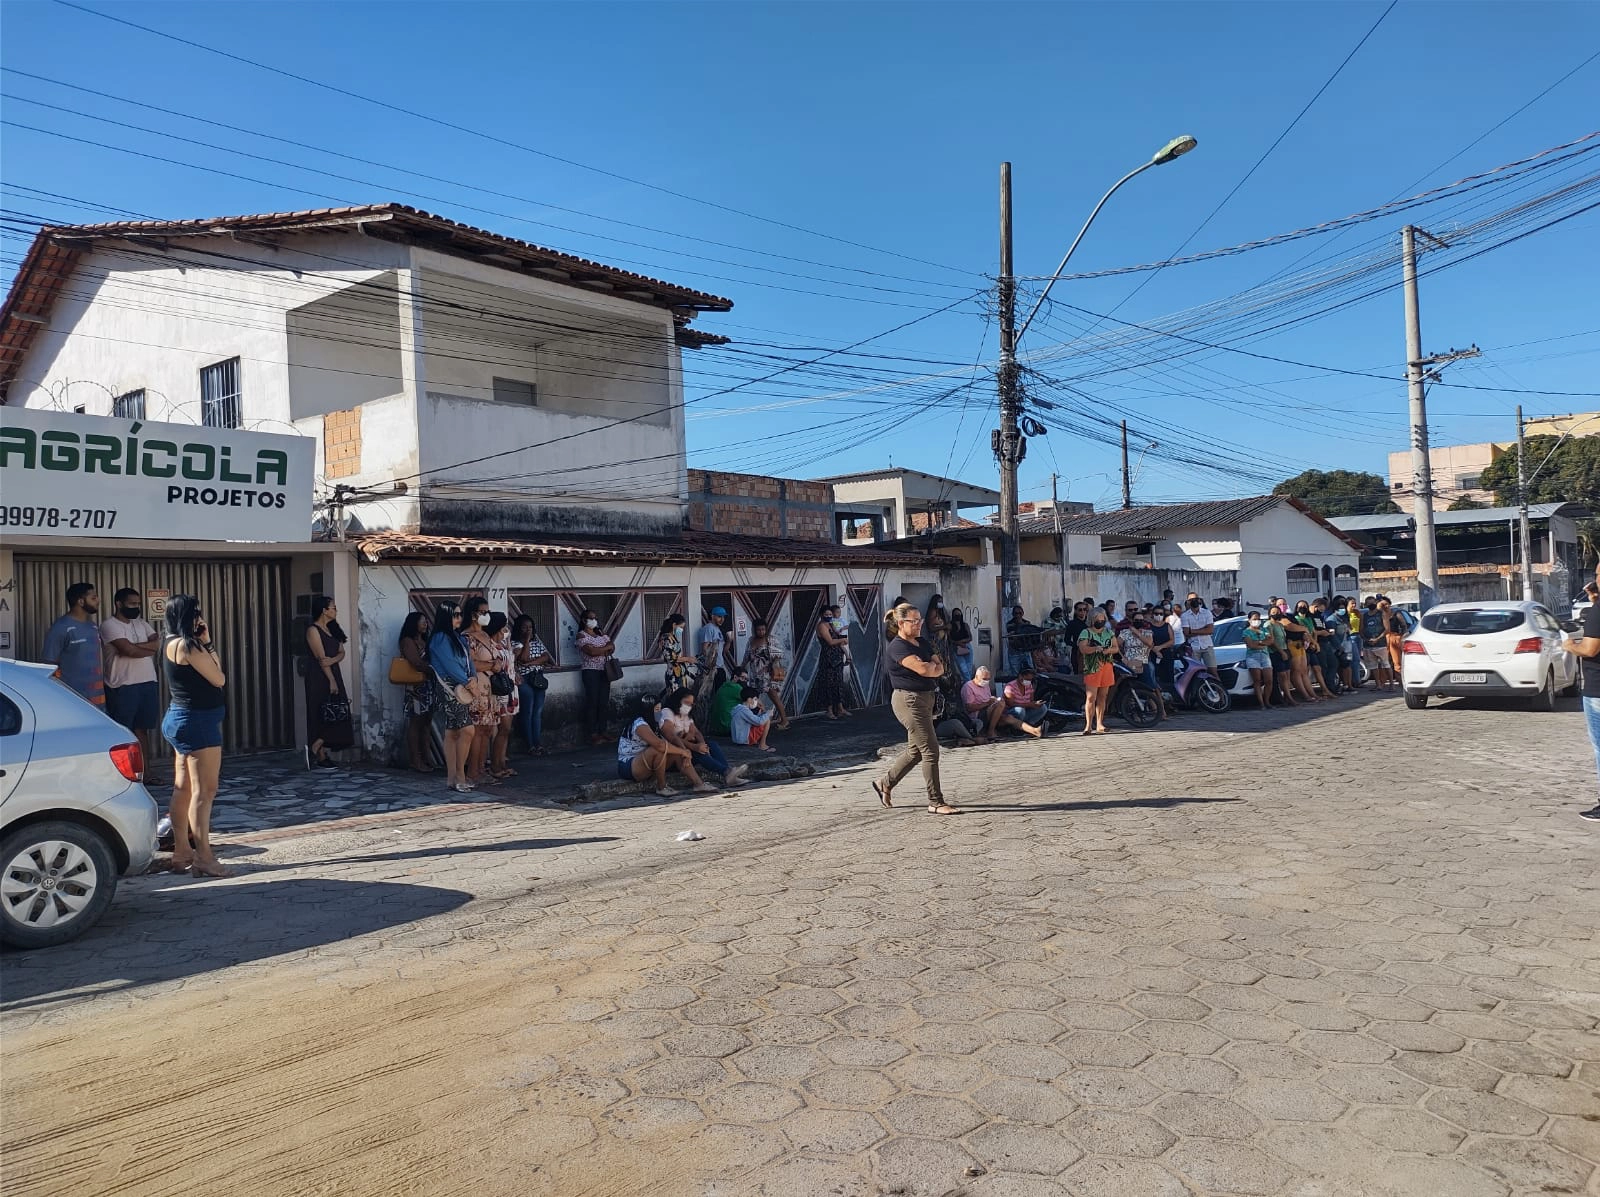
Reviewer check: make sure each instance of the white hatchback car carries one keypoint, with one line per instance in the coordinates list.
(1489, 650)
(74, 813)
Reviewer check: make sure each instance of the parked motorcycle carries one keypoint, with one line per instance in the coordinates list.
(1063, 694)
(1187, 682)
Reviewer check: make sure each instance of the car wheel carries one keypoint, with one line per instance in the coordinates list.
(1545, 700)
(1416, 700)
(56, 881)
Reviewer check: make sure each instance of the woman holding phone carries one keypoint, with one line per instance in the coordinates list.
(193, 726)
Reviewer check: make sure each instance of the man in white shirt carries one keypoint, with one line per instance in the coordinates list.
(1198, 624)
(1175, 622)
(133, 697)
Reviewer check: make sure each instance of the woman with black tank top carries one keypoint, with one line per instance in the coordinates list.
(193, 727)
(915, 668)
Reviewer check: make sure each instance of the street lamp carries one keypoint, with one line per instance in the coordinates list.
(1008, 441)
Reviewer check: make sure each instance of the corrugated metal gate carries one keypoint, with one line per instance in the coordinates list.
(246, 603)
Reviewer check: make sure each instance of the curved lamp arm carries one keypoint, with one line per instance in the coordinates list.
(1175, 148)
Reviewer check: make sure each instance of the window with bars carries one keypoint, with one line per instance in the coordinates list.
(1303, 579)
(219, 395)
(129, 405)
(656, 608)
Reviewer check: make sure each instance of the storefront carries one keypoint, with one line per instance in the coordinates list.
(168, 509)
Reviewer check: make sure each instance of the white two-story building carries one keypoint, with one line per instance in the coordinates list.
(489, 416)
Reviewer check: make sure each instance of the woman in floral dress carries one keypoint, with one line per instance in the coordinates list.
(763, 662)
(683, 671)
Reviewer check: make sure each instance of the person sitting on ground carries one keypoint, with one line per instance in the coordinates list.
(1020, 702)
(727, 697)
(750, 722)
(643, 755)
(678, 727)
(988, 711)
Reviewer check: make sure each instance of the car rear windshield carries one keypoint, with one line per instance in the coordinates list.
(1477, 621)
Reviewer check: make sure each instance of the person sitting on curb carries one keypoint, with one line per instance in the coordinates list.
(643, 755)
(678, 727)
(1021, 706)
(989, 712)
(725, 699)
(750, 722)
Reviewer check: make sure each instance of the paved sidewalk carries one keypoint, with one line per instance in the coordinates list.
(1347, 957)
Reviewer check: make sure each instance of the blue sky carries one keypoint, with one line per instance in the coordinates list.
(883, 125)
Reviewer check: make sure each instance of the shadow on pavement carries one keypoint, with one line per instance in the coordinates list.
(178, 929)
(1111, 804)
(453, 850)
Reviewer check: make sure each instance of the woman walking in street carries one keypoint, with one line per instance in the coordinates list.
(193, 726)
(764, 663)
(453, 676)
(1097, 647)
(413, 644)
(596, 648)
(914, 672)
(830, 688)
(533, 657)
(325, 692)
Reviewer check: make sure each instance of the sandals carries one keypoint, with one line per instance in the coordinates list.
(943, 808)
(883, 794)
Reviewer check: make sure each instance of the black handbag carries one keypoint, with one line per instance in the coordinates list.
(537, 680)
(501, 685)
(335, 710)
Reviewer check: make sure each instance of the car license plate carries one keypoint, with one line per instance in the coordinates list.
(1468, 679)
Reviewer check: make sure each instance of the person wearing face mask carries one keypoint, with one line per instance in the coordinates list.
(642, 755)
(1258, 658)
(595, 647)
(763, 663)
(678, 727)
(1314, 632)
(914, 672)
(749, 723)
(452, 679)
(326, 697)
(681, 668)
(1375, 646)
(133, 696)
(1097, 646)
(1198, 624)
(484, 654)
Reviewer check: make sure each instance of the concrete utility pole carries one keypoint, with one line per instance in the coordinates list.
(1524, 537)
(1008, 441)
(1061, 541)
(1127, 482)
(1421, 468)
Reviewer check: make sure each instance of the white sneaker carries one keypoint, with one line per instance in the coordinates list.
(735, 776)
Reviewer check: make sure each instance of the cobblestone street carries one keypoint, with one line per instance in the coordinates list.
(1332, 956)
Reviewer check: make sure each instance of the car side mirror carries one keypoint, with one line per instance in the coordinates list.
(1570, 625)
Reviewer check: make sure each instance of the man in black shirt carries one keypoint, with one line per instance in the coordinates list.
(1074, 629)
(1587, 649)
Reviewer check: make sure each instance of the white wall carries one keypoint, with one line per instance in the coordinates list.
(1281, 538)
(344, 350)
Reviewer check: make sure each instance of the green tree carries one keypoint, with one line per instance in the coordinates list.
(1339, 492)
(1467, 503)
(1571, 475)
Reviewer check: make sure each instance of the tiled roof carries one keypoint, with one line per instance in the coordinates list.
(689, 547)
(1151, 521)
(56, 248)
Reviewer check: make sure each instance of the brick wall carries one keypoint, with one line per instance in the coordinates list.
(341, 443)
(755, 505)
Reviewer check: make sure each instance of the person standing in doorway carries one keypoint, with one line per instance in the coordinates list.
(711, 651)
(133, 696)
(1587, 649)
(830, 685)
(452, 679)
(914, 672)
(763, 661)
(325, 641)
(596, 647)
(193, 726)
(72, 644)
(533, 657)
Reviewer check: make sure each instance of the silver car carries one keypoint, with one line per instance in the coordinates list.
(74, 813)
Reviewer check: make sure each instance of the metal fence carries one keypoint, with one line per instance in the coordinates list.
(246, 604)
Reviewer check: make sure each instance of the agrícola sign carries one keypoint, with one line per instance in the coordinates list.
(71, 475)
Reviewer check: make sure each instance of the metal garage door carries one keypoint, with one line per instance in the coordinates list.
(245, 602)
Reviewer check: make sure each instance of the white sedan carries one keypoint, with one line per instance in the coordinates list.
(1489, 650)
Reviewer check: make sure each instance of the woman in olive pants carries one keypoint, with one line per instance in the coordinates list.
(914, 671)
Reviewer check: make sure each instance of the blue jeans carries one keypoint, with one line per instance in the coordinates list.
(966, 667)
(530, 714)
(713, 759)
(1591, 716)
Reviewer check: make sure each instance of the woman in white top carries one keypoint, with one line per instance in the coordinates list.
(642, 754)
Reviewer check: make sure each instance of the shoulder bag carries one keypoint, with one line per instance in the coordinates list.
(613, 670)
(403, 673)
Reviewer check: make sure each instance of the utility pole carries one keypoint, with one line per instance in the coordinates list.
(1008, 441)
(1127, 482)
(1061, 541)
(1524, 538)
(1421, 468)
